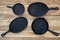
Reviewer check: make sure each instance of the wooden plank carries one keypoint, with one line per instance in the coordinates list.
(55, 28)
(45, 1)
(12, 2)
(28, 38)
(29, 1)
(52, 23)
(9, 18)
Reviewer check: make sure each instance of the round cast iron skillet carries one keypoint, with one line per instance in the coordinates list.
(17, 25)
(18, 8)
(40, 26)
(39, 9)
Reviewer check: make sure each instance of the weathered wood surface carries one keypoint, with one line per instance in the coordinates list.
(7, 15)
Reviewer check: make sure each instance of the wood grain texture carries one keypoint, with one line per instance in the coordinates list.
(29, 1)
(29, 38)
(7, 15)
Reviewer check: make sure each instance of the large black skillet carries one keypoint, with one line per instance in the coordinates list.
(40, 26)
(17, 25)
(39, 9)
(18, 8)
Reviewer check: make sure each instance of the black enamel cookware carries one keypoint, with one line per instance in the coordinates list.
(17, 25)
(39, 9)
(18, 8)
(40, 26)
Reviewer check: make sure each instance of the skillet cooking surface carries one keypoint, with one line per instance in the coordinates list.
(37, 9)
(18, 24)
(39, 26)
(18, 9)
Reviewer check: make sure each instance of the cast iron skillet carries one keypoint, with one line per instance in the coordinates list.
(40, 26)
(17, 25)
(18, 8)
(39, 9)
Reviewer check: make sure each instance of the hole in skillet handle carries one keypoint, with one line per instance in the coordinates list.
(55, 33)
(56, 8)
(3, 34)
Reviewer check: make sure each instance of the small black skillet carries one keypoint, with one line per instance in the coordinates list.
(40, 26)
(18, 8)
(17, 25)
(39, 9)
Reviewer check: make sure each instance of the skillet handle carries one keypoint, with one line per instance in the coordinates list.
(55, 33)
(56, 8)
(9, 7)
(3, 34)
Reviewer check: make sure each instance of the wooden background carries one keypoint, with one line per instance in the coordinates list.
(7, 15)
